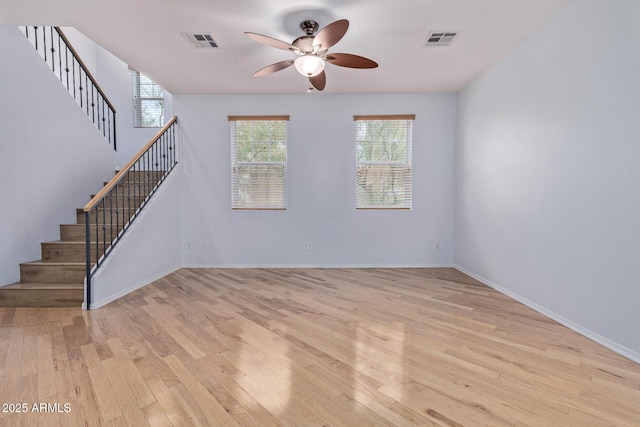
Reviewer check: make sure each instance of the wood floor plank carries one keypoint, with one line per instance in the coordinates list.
(155, 416)
(46, 377)
(106, 396)
(139, 388)
(311, 347)
(131, 411)
(204, 400)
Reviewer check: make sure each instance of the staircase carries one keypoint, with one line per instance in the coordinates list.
(57, 280)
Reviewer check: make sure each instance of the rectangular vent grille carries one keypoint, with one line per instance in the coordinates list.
(440, 38)
(201, 40)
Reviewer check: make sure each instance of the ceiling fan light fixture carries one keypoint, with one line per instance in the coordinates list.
(309, 65)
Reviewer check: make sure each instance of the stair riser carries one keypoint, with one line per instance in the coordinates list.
(138, 189)
(61, 252)
(76, 233)
(115, 219)
(142, 175)
(52, 273)
(41, 297)
(120, 200)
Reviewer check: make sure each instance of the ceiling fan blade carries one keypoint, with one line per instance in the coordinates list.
(273, 68)
(350, 61)
(319, 81)
(270, 41)
(331, 34)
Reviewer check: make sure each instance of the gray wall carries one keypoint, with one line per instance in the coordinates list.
(547, 172)
(53, 157)
(321, 185)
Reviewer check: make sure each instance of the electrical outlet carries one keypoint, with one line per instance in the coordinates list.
(437, 246)
(305, 246)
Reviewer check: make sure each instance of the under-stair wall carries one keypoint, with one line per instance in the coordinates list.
(52, 156)
(149, 250)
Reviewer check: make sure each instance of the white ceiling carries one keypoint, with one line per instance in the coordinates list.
(146, 35)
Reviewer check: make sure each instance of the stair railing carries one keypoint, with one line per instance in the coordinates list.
(66, 64)
(110, 212)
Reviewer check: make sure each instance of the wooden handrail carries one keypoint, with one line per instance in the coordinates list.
(84, 67)
(116, 179)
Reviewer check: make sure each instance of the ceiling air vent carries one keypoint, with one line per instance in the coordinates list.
(440, 38)
(200, 40)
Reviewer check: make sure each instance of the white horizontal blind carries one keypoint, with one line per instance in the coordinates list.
(383, 162)
(258, 162)
(148, 101)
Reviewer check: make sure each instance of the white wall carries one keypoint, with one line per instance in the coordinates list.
(149, 250)
(52, 159)
(547, 172)
(114, 77)
(321, 185)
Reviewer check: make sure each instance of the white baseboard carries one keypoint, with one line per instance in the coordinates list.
(292, 266)
(611, 345)
(111, 298)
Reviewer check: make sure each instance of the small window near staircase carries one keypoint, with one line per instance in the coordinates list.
(148, 101)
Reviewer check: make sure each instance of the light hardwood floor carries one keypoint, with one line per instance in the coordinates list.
(310, 347)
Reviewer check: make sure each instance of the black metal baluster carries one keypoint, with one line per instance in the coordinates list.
(117, 212)
(104, 230)
(101, 115)
(165, 151)
(93, 104)
(126, 200)
(80, 81)
(73, 76)
(109, 115)
(154, 165)
(53, 60)
(87, 225)
(163, 156)
(86, 90)
(135, 187)
(97, 109)
(146, 183)
(113, 210)
(128, 195)
(171, 147)
(66, 64)
(44, 42)
(59, 57)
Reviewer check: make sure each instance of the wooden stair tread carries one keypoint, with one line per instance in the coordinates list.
(40, 262)
(68, 242)
(42, 285)
(41, 295)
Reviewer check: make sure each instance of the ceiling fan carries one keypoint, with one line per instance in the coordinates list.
(311, 51)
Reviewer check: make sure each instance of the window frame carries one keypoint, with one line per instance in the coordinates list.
(406, 164)
(138, 100)
(235, 165)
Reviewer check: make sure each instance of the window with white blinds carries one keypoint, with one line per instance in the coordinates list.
(258, 162)
(383, 161)
(148, 101)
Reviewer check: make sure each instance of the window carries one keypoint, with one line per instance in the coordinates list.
(258, 162)
(148, 101)
(383, 161)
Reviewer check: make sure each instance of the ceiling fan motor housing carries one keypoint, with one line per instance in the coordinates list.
(309, 27)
